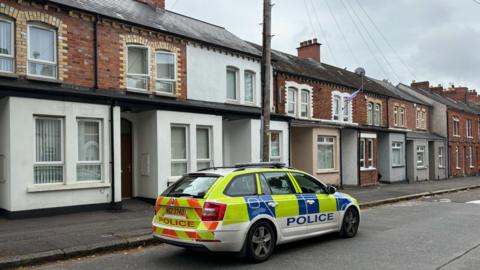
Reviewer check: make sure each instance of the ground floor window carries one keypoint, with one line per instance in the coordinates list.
(325, 153)
(420, 156)
(204, 151)
(179, 150)
(49, 144)
(366, 153)
(275, 146)
(457, 158)
(470, 156)
(441, 157)
(397, 149)
(89, 165)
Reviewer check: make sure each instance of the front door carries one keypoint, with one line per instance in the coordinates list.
(126, 159)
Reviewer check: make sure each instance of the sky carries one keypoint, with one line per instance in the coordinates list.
(401, 40)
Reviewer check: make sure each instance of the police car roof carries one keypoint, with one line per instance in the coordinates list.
(223, 171)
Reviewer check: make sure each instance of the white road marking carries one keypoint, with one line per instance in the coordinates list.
(474, 202)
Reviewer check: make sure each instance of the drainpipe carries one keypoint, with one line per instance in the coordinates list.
(448, 148)
(340, 157)
(359, 180)
(95, 52)
(113, 205)
(289, 143)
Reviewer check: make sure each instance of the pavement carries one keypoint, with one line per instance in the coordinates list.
(37, 240)
(407, 235)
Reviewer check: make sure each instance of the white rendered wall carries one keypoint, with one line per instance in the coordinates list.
(207, 79)
(25, 195)
(237, 142)
(4, 154)
(274, 126)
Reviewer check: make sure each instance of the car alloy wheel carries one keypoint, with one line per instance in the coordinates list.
(260, 242)
(350, 223)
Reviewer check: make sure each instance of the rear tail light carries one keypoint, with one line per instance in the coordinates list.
(213, 211)
(157, 206)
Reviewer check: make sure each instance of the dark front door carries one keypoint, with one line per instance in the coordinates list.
(126, 159)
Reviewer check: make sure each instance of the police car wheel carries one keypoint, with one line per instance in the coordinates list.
(260, 242)
(350, 223)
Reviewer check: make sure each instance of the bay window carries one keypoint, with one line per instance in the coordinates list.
(420, 156)
(305, 104)
(249, 86)
(292, 101)
(397, 150)
(137, 72)
(232, 83)
(179, 150)
(275, 146)
(42, 51)
(166, 72)
(6, 46)
(204, 152)
(89, 165)
(325, 153)
(49, 156)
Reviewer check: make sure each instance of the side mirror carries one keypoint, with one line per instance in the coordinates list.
(331, 189)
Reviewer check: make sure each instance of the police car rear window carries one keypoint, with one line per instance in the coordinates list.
(191, 186)
(279, 183)
(242, 185)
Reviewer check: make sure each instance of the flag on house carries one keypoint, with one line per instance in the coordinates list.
(354, 94)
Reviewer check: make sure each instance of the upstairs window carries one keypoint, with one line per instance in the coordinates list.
(469, 128)
(137, 73)
(42, 51)
(456, 126)
(305, 104)
(421, 119)
(6, 46)
(249, 86)
(336, 107)
(232, 84)
(377, 115)
(292, 101)
(166, 73)
(346, 110)
(402, 117)
(395, 116)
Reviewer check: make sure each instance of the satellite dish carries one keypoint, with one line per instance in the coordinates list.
(360, 71)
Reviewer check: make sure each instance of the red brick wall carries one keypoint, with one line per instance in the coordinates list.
(410, 113)
(360, 104)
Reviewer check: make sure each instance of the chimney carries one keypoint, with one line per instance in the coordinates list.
(437, 90)
(156, 4)
(421, 85)
(309, 49)
(472, 97)
(457, 93)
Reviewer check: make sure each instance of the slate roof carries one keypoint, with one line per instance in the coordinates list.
(425, 136)
(403, 94)
(166, 21)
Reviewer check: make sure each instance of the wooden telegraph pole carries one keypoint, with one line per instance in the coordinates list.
(266, 78)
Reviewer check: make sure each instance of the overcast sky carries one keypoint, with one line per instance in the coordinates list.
(435, 40)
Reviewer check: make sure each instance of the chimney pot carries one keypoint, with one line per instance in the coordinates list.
(309, 49)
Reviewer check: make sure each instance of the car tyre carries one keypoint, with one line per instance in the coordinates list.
(350, 223)
(260, 242)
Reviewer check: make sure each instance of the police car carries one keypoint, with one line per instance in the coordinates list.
(250, 209)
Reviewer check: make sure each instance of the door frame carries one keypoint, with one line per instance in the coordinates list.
(132, 186)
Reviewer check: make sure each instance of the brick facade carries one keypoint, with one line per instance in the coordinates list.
(410, 110)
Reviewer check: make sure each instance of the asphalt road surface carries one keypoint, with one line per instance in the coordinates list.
(441, 232)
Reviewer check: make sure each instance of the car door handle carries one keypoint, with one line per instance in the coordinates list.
(272, 204)
(310, 202)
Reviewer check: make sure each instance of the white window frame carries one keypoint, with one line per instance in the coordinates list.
(470, 156)
(441, 155)
(187, 148)
(254, 86)
(421, 149)
(367, 159)
(402, 118)
(344, 107)
(457, 158)
(55, 51)
(370, 113)
(336, 108)
(308, 104)
(294, 90)
(62, 151)
(100, 149)
(323, 140)
(398, 146)
(237, 83)
(280, 148)
(12, 44)
(174, 80)
(456, 127)
(362, 153)
(210, 140)
(424, 119)
(395, 116)
(377, 115)
(144, 76)
(469, 123)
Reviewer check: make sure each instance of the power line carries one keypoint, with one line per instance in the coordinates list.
(309, 17)
(364, 40)
(349, 48)
(386, 40)
(174, 3)
(324, 34)
(379, 49)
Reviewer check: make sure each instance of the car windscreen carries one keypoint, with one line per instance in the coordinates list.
(191, 186)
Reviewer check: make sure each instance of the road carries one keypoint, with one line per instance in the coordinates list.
(441, 232)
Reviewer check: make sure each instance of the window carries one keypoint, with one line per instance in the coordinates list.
(42, 51)
(279, 183)
(232, 83)
(325, 153)
(308, 184)
(292, 101)
(397, 150)
(377, 114)
(469, 128)
(179, 148)
(424, 119)
(420, 156)
(189, 185)
(370, 113)
(275, 146)
(457, 158)
(6, 46)
(204, 159)
(346, 110)
(441, 157)
(89, 165)
(243, 185)
(305, 104)
(402, 117)
(137, 73)
(470, 156)
(166, 72)
(336, 108)
(366, 153)
(362, 153)
(456, 126)
(370, 153)
(49, 163)
(249, 86)
(395, 116)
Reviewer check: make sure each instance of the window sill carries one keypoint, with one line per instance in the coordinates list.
(60, 187)
(232, 101)
(43, 79)
(9, 75)
(422, 168)
(327, 171)
(458, 168)
(398, 166)
(368, 169)
(138, 91)
(165, 94)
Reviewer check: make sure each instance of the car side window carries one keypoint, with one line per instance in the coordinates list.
(264, 186)
(279, 182)
(309, 184)
(242, 185)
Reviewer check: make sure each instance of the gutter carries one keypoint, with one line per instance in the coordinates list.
(113, 205)
(95, 53)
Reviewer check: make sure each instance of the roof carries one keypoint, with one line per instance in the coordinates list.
(406, 96)
(425, 136)
(450, 103)
(135, 12)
